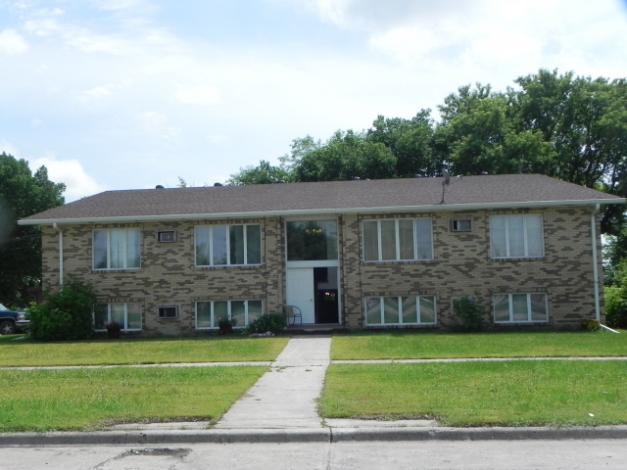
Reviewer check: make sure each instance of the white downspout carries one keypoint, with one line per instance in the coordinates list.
(595, 264)
(56, 227)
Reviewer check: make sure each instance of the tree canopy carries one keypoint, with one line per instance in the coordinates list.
(564, 126)
(22, 194)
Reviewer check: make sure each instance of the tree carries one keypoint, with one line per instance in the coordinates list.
(22, 194)
(264, 173)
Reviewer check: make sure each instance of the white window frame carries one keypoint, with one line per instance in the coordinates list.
(397, 239)
(125, 315)
(161, 239)
(400, 306)
(108, 232)
(511, 309)
(214, 321)
(507, 218)
(228, 246)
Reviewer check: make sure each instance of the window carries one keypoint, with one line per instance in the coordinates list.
(400, 310)
(228, 245)
(129, 316)
(461, 225)
(397, 240)
(209, 313)
(116, 249)
(516, 236)
(166, 236)
(168, 311)
(312, 240)
(520, 308)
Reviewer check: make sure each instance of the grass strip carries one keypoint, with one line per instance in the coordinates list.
(424, 345)
(509, 393)
(89, 399)
(140, 351)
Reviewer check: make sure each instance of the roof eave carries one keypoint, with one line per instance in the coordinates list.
(333, 211)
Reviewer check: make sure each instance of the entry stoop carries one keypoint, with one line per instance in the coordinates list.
(317, 329)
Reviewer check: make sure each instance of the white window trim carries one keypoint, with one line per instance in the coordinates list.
(457, 221)
(125, 315)
(506, 217)
(511, 313)
(228, 246)
(172, 231)
(398, 239)
(109, 268)
(215, 320)
(400, 304)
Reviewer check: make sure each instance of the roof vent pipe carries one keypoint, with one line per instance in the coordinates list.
(217, 184)
(159, 187)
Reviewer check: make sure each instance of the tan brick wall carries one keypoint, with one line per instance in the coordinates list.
(167, 275)
(462, 266)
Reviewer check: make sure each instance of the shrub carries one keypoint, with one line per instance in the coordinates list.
(272, 322)
(471, 315)
(66, 314)
(616, 306)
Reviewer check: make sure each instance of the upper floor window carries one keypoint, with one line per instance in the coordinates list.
(116, 248)
(516, 236)
(312, 240)
(227, 245)
(398, 240)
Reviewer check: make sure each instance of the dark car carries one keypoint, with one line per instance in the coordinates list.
(11, 321)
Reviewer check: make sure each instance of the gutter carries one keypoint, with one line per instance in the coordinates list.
(595, 264)
(307, 212)
(56, 227)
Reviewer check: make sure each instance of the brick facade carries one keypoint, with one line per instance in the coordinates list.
(461, 266)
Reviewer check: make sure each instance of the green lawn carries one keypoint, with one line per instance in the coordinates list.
(88, 399)
(512, 393)
(419, 345)
(140, 351)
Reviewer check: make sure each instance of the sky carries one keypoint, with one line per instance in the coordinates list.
(128, 94)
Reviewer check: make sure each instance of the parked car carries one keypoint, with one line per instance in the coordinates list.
(11, 321)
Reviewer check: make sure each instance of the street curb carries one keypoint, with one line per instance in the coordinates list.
(321, 435)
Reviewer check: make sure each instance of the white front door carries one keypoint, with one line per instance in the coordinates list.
(300, 292)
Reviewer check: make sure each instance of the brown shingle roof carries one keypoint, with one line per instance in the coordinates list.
(420, 194)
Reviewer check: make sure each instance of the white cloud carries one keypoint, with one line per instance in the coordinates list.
(217, 139)
(79, 184)
(12, 43)
(9, 149)
(199, 94)
(95, 94)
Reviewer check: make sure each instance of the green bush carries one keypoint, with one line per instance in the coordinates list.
(471, 315)
(273, 322)
(616, 306)
(66, 315)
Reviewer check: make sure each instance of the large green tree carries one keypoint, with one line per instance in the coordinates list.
(22, 193)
